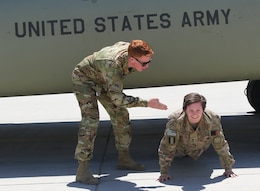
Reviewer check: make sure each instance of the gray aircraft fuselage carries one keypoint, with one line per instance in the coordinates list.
(194, 41)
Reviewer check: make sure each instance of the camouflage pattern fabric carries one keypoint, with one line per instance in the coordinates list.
(180, 136)
(98, 77)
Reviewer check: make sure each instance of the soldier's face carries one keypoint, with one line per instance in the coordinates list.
(194, 112)
(140, 63)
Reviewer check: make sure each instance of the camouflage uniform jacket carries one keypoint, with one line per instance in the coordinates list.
(106, 70)
(180, 136)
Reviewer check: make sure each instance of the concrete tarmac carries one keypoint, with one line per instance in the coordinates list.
(38, 135)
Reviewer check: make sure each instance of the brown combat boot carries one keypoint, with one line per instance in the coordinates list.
(126, 163)
(83, 174)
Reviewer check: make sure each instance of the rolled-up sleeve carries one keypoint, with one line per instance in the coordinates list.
(114, 82)
(121, 99)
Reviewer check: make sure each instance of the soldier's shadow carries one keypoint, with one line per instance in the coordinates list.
(194, 175)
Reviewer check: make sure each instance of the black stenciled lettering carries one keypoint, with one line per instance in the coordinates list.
(113, 22)
(100, 26)
(34, 28)
(64, 27)
(165, 18)
(79, 26)
(49, 27)
(139, 21)
(225, 14)
(198, 17)
(206, 18)
(150, 21)
(212, 19)
(126, 24)
(131, 22)
(52, 22)
(186, 20)
(19, 33)
(43, 28)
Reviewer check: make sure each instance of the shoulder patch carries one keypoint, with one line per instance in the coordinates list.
(171, 133)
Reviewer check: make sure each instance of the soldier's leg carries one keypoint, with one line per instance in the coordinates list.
(87, 100)
(119, 117)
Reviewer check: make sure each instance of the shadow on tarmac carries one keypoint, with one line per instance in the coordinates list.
(47, 149)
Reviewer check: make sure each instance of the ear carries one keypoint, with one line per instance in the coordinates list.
(129, 60)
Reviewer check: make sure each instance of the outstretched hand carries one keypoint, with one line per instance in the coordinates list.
(154, 103)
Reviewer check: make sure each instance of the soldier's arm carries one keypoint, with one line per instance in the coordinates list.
(121, 99)
(114, 81)
(167, 147)
(221, 147)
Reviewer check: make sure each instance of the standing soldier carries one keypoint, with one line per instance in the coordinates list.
(191, 131)
(98, 77)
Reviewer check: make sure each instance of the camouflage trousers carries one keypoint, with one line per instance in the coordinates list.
(87, 98)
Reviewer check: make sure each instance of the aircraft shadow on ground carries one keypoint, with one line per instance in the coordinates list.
(47, 149)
